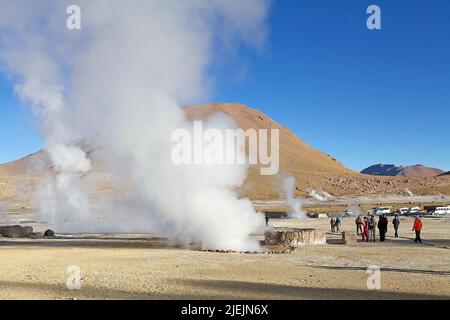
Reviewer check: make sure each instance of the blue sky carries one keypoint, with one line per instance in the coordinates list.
(364, 96)
(19, 134)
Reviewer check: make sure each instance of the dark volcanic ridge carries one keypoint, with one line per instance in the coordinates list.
(392, 170)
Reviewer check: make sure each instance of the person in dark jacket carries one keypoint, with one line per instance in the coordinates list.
(359, 225)
(337, 224)
(382, 227)
(333, 224)
(396, 223)
(267, 220)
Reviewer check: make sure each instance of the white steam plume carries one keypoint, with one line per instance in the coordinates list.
(319, 194)
(122, 79)
(293, 202)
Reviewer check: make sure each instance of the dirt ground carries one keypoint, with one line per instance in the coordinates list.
(150, 268)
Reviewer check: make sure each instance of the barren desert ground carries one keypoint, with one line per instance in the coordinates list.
(151, 268)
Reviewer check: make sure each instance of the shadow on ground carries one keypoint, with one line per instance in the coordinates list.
(206, 290)
(116, 243)
(350, 268)
(233, 289)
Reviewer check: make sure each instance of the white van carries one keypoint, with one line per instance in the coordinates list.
(440, 211)
(381, 210)
(403, 211)
(414, 211)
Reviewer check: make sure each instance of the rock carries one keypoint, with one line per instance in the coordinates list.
(16, 232)
(49, 233)
(349, 238)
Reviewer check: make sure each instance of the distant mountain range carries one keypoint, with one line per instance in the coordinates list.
(445, 174)
(392, 170)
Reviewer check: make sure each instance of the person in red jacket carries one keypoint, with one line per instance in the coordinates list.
(365, 233)
(417, 227)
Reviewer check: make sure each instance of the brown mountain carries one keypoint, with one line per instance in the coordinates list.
(391, 170)
(312, 168)
(445, 174)
(28, 165)
(296, 157)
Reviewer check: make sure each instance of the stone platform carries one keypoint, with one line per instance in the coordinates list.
(294, 237)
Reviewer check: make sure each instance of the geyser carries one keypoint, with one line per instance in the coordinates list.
(294, 203)
(121, 78)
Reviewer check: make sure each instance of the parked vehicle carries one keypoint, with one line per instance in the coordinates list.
(414, 211)
(402, 211)
(381, 210)
(440, 211)
(348, 213)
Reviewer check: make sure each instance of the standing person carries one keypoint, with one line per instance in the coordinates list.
(267, 219)
(359, 224)
(382, 227)
(365, 233)
(338, 224)
(372, 228)
(333, 224)
(417, 227)
(396, 223)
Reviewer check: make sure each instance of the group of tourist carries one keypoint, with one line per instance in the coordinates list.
(366, 227)
(335, 224)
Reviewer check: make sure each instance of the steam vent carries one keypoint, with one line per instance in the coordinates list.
(294, 237)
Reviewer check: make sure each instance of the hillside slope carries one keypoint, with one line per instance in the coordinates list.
(296, 157)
